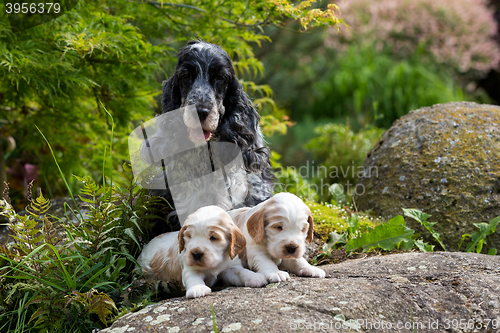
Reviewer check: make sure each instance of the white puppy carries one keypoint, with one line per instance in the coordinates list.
(276, 231)
(204, 250)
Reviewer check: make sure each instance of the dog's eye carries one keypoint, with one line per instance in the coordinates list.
(279, 227)
(186, 76)
(213, 238)
(219, 78)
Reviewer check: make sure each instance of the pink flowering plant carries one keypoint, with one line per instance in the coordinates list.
(456, 33)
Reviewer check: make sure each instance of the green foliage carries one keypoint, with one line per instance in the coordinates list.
(95, 302)
(361, 236)
(289, 180)
(71, 274)
(364, 82)
(334, 242)
(118, 52)
(370, 86)
(386, 236)
(478, 239)
(358, 235)
(213, 317)
(56, 73)
(422, 218)
(341, 153)
(330, 218)
(423, 246)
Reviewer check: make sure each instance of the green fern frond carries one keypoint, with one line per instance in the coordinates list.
(102, 305)
(39, 206)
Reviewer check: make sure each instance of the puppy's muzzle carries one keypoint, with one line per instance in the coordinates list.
(291, 249)
(196, 255)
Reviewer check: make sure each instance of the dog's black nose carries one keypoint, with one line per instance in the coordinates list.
(203, 113)
(197, 255)
(291, 249)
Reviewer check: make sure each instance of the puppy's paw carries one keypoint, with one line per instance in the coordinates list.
(198, 291)
(312, 271)
(276, 276)
(256, 280)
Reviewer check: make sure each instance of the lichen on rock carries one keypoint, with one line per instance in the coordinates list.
(443, 160)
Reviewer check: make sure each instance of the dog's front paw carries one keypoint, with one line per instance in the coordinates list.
(276, 276)
(256, 280)
(198, 291)
(312, 271)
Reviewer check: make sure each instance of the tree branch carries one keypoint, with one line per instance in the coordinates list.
(159, 5)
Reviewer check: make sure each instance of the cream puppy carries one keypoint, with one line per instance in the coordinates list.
(203, 251)
(276, 231)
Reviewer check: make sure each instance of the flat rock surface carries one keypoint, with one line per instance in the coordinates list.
(420, 292)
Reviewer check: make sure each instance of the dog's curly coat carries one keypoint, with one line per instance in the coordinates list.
(205, 77)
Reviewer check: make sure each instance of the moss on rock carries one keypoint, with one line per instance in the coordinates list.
(444, 160)
(329, 218)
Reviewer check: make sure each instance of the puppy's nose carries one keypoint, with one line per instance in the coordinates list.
(291, 249)
(202, 113)
(196, 255)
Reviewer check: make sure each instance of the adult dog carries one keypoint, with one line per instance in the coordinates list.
(203, 251)
(204, 77)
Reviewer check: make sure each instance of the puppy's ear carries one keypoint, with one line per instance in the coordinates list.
(237, 242)
(181, 239)
(171, 98)
(310, 231)
(255, 225)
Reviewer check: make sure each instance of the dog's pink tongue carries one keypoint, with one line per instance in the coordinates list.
(195, 134)
(206, 134)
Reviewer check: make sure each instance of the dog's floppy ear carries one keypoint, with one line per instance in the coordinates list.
(171, 99)
(240, 124)
(256, 224)
(310, 231)
(237, 242)
(181, 239)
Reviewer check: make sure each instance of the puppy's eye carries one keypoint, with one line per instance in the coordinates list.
(279, 227)
(213, 238)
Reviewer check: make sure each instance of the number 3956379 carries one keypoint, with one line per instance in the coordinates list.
(32, 8)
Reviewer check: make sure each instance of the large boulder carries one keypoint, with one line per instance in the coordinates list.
(443, 160)
(412, 292)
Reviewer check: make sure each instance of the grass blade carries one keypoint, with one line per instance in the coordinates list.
(60, 171)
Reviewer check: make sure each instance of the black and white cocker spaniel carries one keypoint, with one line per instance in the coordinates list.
(205, 79)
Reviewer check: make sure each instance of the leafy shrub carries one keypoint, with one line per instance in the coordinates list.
(371, 87)
(422, 217)
(386, 236)
(64, 277)
(341, 153)
(118, 52)
(457, 33)
(289, 180)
